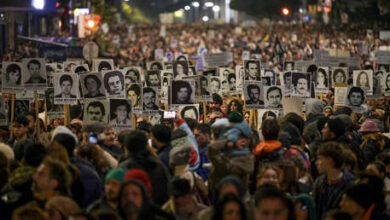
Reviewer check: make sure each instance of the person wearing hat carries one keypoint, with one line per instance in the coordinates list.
(112, 184)
(373, 141)
(182, 203)
(359, 201)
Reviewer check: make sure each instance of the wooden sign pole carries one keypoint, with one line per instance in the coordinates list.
(38, 124)
(204, 112)
(66, 116)
(45, 109)
(134, 121)
(12, 115)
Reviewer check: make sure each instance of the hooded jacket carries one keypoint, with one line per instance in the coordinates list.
(313, 111)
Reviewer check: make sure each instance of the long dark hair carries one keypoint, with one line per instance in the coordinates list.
(220, 206)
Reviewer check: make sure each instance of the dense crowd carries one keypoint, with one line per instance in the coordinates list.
(325, 162)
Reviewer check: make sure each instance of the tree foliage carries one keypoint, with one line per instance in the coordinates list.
(134, 15)
(265, 8)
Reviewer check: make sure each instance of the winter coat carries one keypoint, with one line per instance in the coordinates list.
(169, 207)
(373, 144)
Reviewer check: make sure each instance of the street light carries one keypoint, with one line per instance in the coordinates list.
(187, 7)
(216, 8)
(209, 4)
(285, 11)
(195, 4)
(38, 4)
(205, 18)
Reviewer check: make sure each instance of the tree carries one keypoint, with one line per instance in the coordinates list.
(265, 8)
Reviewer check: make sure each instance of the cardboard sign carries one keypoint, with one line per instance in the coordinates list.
(217, 59)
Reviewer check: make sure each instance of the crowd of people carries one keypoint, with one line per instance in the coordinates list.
(325, 162)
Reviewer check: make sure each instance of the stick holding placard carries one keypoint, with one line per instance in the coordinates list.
(12, 115)
(38, 124)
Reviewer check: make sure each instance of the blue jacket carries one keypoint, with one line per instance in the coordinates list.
(163, 154)
(201, 171)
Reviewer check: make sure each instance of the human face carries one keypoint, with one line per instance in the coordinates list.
(115, 85)
(132, 199)
(149, 99)
(356, 99)
(121, 113)
(190, 114)
(95, 114)
(214, 87)
(321, 78)
(323, 164)
(132, 76)
(339, 77)
(34, 69)
(272, 209)
(200, 137)
(179, 69)
(253, 70)
(274, 98)
(92, 85)
(133, 97)
(42, 181)
(231, 211)
(269, 177)
(326, 133)
(204, 83)
(233, 106)
(155, 67)
(181, 202)
(254, 94)
(302, 86)
(232, 82)
(246, 117)
(363, 79)
(111, 189)
(153, 80)
(19, 130)
(66, 87)
(350, 206)
(31, 122)
(182, 95)
(14, 77)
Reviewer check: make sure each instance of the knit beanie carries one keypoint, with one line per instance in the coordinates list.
(181, 151)
(235, 117)
(361, 194)
(117, 174)
(140, 175)
(63, 130)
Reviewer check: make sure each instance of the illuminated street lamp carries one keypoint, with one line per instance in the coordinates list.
(209, 4)
(195, 4)
(285, 11)
(38, 4)
(187, 7)
(205, 18)
(216, 8)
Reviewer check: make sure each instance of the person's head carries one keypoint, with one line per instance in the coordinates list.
(253, 92)
(300, 83)
(92, 83)
(377, 168)
(387, 81)
(339, 76)
(362, 79)
(133, 199)
(20, 126)
(288, 66)
(152, 78)
(215, 85)
(52, 177)
(270, 129)
(252, 68)
(28, 212)
(31, 116)
(217, 102)
(136, 142)
(34, 67)
(180, 193)
(235, 105)
(114, 82)
(268, 174)
(156, 66)
(180, 68)
(204, 82)
(322, 77)
(356, 96)
(329, 156)
(202, 134)
(161, 135)
(95, 111)
(229, 207)
(104, 65)
(272, 203)
(357, 199)
(149, 97)
(13, 74)
(112, 183)
(189, 111)
(66, 84)
(274, 96)
(333, 129)
(229, 185)
(133, 93)
(121, 109)
(232, 80)
(133, 75)
(182, 91)
(80, 69)
(61, 207)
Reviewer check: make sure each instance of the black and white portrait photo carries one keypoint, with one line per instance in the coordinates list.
(21, 107)
(183, 92)
(66, 88)
(79, 69)
(252, 70)
(270, 74)
(114, 83)
(180, 69)
(273, 97)
(288, 66)
(356, 97)
(301, 83)
(12, 75)
(322, 79)
(387, 84)
(181, 57)
(192, 71)
(53, 110)
(377, 83)
(102, 64)
(240, 73)
(152, 78)
(263, 114)
(154, 65)
(120, 114)
(189, 111)
(92, 86)
(95, 111)
(34, 74)
(232, 82)
(68, 66)
(224, 73)
(363, 79)
(286, 81)
(150, 99)
(339, 75)
(340, 95)
(132, 74)
(164, 92)
(384, 67)
(253, 93)
(214, 85)
(51, 70)
(210, 72)
(3, 118)
(134, 93)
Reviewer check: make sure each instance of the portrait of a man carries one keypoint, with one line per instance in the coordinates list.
(232, 81)
(92, 86)
(95, 111)
(252, 70)
(356, 97)
(51, 107)
(253, 93)
(114, 83)
(153, 78)
(204, 86)
(155, 66)
(182, 92)
(65, 87)
(35, 71)
(50, 71)
(274, 97)
(301, 84)
(215, 85)
(271, 74)
(120, 110)
(149, 99)
(288, 66)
